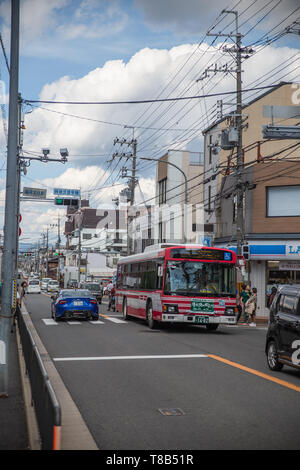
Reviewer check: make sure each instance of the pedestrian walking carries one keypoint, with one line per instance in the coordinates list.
(23, 290)
(239, 306)
(244, 296)
(250, 307)
(111, 298)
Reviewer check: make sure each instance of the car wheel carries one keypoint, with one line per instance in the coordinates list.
(151, 322)
(124, 310)
(212, 327)
(272, 357)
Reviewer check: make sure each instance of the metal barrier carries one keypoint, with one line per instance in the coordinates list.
(47, 408)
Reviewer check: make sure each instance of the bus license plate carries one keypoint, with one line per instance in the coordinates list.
(202, 306)
(202, 320)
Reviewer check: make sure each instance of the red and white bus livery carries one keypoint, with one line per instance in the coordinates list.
(182, 283)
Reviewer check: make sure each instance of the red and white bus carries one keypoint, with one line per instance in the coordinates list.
(182, 283)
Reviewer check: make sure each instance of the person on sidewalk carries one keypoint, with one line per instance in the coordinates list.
(244, 296)
(111, 298)
(250, 307)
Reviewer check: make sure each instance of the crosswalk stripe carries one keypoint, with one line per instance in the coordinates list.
(49, 321)
(115, 320)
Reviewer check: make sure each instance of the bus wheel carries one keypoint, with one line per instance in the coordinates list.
(212, 327)
(151, 322)
(124, 310)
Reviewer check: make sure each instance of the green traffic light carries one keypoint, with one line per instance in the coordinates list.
(59, 201)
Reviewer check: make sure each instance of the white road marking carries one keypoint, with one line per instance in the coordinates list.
(49, 321)
(113, 358)
(98, 322)
(115, 320)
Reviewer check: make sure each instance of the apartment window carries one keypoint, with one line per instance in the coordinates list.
(283, 201)
(196, 158)
(87, 236)
(234, 212)
(162, 191)
(210, 149)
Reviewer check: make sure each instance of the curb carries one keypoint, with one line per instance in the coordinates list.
(75, 434)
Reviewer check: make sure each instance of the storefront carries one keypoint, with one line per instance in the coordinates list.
(283, 272)
(272, 264)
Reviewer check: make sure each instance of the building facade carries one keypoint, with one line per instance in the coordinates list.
(172, 217)
(270, 180)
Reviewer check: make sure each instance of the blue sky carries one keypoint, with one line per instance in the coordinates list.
(121, 49)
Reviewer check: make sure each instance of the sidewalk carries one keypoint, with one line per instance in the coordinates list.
(13, 427)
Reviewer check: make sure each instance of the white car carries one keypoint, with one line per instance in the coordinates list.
(53, 286)
(44, 282)
(33, 287)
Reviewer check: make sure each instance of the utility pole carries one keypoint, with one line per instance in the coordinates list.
(79, 242)
(10, 222)
(237, 50)
(132, 182)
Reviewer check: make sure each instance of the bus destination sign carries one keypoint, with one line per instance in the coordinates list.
(201, 253)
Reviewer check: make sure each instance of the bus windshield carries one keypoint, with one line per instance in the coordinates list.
(193, 278)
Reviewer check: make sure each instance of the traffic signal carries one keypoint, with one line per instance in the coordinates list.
(246, 252)
(59, 253)
(60, 201)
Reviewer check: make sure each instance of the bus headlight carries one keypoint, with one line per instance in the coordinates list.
(170, 308)
(230, 311)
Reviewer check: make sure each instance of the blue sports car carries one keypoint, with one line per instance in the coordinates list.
(74, 303)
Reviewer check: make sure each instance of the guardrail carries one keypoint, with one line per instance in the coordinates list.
(47, 407)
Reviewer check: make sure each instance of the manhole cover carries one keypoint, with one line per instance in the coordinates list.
(171, 411)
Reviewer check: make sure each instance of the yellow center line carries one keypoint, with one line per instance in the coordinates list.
(255, 372)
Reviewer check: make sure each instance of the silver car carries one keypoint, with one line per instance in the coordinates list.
(53, 286)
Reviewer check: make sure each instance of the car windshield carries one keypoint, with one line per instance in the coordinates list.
(52, 283)
(75, 293)
(193, 278)
(46, 279)
(33, 283)
(92, 287)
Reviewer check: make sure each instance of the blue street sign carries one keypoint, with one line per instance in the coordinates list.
(66, 192)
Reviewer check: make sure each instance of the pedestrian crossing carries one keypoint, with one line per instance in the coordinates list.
(52, 322)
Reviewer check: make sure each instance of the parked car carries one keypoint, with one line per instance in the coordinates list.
(33, 287)
(95, 289)
(283, 336)
(44, 282)
(53, 286)
(74, 303)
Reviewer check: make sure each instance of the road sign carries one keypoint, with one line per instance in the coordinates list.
(35, 193)
(66, 192)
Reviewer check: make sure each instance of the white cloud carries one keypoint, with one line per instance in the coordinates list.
(145, 75)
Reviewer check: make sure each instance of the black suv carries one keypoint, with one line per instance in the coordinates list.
(283, 337)
(95, 288)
